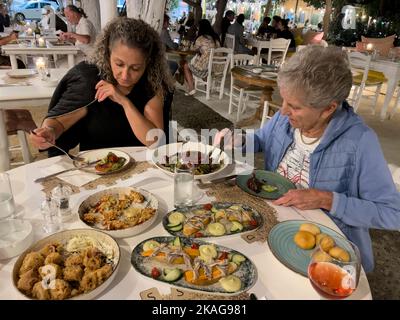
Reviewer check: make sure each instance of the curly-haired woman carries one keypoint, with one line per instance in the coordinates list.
(128, 76)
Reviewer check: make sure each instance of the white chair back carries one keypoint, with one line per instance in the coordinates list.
(261, 44)
(218, 65)
(280, 46)
(229, 41)
(360, 63)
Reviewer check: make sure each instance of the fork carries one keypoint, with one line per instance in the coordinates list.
(72, 157)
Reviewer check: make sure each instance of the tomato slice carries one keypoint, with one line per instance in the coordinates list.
(207, 206)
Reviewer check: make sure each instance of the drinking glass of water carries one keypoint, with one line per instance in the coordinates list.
(183, 185)
(7, 206)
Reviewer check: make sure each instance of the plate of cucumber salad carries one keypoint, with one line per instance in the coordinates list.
(212, 220)
(194, 264)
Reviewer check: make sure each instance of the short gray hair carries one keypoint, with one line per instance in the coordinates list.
(318, 75)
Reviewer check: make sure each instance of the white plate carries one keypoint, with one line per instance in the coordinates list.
(173, 148)
(21, 73)
(150, 201)
(270, 75)
(96, 155)
(257, 70)
(15, 237)
(63, 237)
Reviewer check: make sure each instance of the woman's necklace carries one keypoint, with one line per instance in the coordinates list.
(308, 143)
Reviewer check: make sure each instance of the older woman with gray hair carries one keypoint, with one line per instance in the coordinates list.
(319, 143)
(114, 100)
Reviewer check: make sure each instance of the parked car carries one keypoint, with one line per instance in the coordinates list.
(32, 10)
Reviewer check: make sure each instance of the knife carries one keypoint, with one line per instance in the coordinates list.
(66, 170)
(219, 180)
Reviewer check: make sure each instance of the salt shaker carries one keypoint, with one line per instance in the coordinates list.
(51, 217)
(60, 195)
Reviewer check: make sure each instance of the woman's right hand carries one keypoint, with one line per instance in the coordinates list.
(41, 137)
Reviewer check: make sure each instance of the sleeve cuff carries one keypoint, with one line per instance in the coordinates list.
(336, 210)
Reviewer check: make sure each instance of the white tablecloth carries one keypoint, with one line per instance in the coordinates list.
(275, 281)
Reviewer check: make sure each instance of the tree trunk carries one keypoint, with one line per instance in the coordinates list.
(108, 11)
(197, 10)
(268, 8)
(151, 11)
(92, 9)
(327, 17)
(221, 5)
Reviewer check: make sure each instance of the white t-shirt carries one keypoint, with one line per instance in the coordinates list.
(295, 165)
(85, 27)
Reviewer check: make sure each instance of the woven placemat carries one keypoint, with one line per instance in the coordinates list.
(106, 180)
(227, 192)
(182, 294)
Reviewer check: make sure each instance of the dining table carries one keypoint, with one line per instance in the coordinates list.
(266, 79)
(183, 55)
(23, 92)
(25, 49)
(274, 280)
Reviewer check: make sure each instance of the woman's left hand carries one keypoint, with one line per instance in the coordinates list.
(306, 199)
(107, 90)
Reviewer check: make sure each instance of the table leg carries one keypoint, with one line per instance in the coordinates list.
(4, 156)
(14, 63)
(71, 60)
(391, 86)
(265, 96)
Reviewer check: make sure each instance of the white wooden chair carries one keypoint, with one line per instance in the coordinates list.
(18, 122)
(229, 41)
(218, 65)
(241, 92)
(395, 171)
(396, 103)
(362, 78)
(277, 51)
(268, 105)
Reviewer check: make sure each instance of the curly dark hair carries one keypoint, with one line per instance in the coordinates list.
(136, 34)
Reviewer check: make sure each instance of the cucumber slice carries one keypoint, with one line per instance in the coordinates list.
(176, 218)
(220, 214)
(171, 275)
(238, 259)
(171, 225)
(176, 228)
(216, 229)
(177, 242)
(236, 226)
(150, 245)
(214, 209)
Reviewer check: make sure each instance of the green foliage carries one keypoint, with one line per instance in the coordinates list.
(173, 4)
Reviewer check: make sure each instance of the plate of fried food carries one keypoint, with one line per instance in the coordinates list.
(121, 211)
(206, 160)
(265, 184)
(212, 220)
(292, 243)
(194, 264)
(73, 264)
(105, 161)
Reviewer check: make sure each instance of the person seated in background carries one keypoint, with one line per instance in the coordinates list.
(265, 28)
(237, 29)
(317, 141)
(165, 35)
(285, 33)
(274, 23)
(206, 40)
(4, 17)
(226, 22)
(5, 60)
(85, 33)
(128, 76)
(169, 44)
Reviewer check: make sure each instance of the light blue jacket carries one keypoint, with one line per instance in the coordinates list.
(350, 163)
